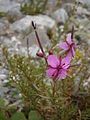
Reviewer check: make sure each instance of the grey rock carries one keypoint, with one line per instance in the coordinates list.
(88, 44)
(20, 1)
(13, 45)
(32, 44)
(51, 4)
(5, 41)
(4, 26)
(33, 50)
(14, 14)
(68, 1)
(84, 2)
(5, 81)
(10, 42)
(45, 41)
(68, 7)
(23, 51)
(3, 71)
(60, 15)
(18, 45)
(86, 84)
(24, 24)
(82, 11)
(7, 5)
(3, 76)
(3, 90)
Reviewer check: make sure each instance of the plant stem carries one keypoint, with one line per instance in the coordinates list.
(72, 33)
(28, 47)
(38, 40)
(75, 65)
(54, 88)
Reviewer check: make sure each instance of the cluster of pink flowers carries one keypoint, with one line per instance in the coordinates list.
(58, 66)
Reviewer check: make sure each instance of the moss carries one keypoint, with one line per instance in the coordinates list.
(34, 7)
(2, 14)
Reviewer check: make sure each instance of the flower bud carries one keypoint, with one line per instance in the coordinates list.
(40, 54)
(50, 52)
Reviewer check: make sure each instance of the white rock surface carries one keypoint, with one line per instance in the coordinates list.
(4, 25)
(82, 11)
(2, 77)
(84, 2)
(68, 7)
(33, 50)
(24, 24)
(3, 90)
(14, 14)
(60, 15)
(45, 41)
(87, 84)
(7, 5)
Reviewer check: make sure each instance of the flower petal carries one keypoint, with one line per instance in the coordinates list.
(53, 61)
(64, 46)
(68, 39)
(51, 72)
(73, 51)
(62, 74)
(65, 63)
(69, 56)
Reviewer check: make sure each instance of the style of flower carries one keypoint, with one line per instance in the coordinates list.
(57, 67)
(69, 46)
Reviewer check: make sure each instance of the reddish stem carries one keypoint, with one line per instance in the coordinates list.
(72, 33)
(38, 40)
(75, 65)
(54, 84)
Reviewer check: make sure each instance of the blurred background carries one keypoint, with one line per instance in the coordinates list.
(54, 19)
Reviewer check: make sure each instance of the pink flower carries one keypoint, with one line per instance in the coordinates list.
(57, 67)
(69, 46)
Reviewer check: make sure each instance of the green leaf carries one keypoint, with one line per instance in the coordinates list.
(18, 116)
(2, 116)
(86, 114)
(34, 115)
(2, 102)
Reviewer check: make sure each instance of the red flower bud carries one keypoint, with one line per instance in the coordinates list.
(50, 52)
(40, 54)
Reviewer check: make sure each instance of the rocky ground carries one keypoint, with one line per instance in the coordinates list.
(16, 27)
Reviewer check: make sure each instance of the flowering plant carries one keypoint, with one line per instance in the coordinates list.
(58, 66)
(50, 88)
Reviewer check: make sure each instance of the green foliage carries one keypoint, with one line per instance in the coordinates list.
(18, 116)
(86, 114)
(34, 7)
(43, 100)
(67, 102)
(28, 77)
(2, 102)
(2, 14)
(34, 115)
(69, 113)
(2, 116)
